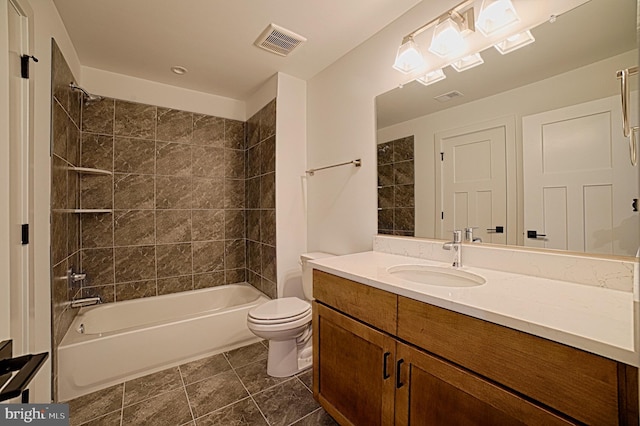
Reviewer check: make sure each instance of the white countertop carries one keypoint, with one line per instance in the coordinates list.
(597, 320)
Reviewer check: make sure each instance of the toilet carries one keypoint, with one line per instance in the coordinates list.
(286, 324)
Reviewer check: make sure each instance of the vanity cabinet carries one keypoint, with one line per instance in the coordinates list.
(385, 359)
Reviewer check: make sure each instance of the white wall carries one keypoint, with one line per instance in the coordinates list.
(262, 96)
(342, 202)
(594, 81)
(291, 235)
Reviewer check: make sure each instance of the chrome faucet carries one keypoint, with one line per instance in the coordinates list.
(456, 245)
(468, 236)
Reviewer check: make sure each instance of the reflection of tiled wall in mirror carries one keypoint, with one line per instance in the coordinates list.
(396, 205)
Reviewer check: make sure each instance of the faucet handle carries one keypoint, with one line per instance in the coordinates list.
(457, 236)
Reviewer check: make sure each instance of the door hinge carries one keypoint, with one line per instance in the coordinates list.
(442, 156)
(25, 234)
(24, 65)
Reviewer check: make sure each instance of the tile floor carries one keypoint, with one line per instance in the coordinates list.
(229, 389)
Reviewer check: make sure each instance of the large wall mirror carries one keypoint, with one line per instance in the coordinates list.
(526, 148)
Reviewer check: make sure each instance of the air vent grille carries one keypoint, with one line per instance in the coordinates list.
(448, 96)
(278, 40)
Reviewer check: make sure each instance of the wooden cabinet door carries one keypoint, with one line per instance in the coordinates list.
(433, 392)
(353, 369)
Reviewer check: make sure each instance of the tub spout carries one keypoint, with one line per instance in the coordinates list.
(89, 301)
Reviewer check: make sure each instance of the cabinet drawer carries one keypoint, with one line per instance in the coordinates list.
(371, 305)
(577, 383)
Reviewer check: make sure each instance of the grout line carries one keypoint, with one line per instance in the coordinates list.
(124, 387)
(184, 387)
(247, 390)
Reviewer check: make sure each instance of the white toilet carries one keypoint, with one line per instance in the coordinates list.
(286, 323)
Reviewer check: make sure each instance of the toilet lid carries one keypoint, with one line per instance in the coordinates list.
(277, 309)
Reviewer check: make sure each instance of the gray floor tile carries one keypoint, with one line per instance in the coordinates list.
(111, 419)
(151, 385)
(204, 368)
(215, 392)
(307, 378)
(255, 378)
(247, 354)
(286, 403)
(170, 408)
(317, 418)
(96, 404)
(242, 413)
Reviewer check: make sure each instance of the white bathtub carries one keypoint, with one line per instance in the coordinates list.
(125, 340)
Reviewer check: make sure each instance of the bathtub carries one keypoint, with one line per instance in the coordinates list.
(122, 341)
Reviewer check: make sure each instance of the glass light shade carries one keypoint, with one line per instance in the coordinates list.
(409, 57)
(431, 77)
(495, 15)
(447, 39)
(515, 42)
(467, 62)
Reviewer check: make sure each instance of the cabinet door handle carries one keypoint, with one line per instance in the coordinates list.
(399, 383)
(385, 373)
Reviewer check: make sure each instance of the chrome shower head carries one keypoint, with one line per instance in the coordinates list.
(88, 96)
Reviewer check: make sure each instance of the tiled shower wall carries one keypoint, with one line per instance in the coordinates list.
(396, 199)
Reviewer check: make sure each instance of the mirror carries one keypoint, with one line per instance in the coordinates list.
(526, 148)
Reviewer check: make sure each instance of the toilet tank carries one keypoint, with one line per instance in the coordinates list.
(307, 271)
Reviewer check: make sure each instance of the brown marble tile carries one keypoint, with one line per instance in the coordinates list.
(61, 75)
(173, 226)
(208, 161)
(403, 173)
(385, 153)
(404, 196)
(242, 413)
(97, 151)
(404, 233)
(97, 230)
(404, 219)
(208, 193)
(73, 234)
(254, 256)
(96, 192)
(234, 134)
(253, 225)
(175, 284)
(135, 290)
(173, 192)
(385, 220)
(59, 289)
(173, 159)
(268, 120)
(317, 418)
(234, 194)
(174, 125)
(254, 279)
(97, 117)
(58, 183)
(111, 419)
(98, 265)
(215, 392)
(268, 226)
(134, 227)
(134, 156)
(148, 386)
(254, 160)
(234, 276)
(286, 402)
(253, 130)
(252, 188)
(386, 197)
(268, 155)
(385, 175)
(306, 378)
(59, 227)
(73, 189)
(268, 191)
(204, 368)
(133, 191)
(208, 256)
(234, 226)
(208, 279)
(234, 256)
(246, 355)
(207, 225)
(73, 145)
(403, 149)
(134, 120)
(233, 164)
(269, 288)
(173, 260)
(208, 130)
(106, 293)
(135, 263)
(90, 406)
(255, 378)
(170, 408)
(60, 127)
(269, 262)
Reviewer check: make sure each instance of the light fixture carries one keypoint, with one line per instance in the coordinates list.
(431, 77)
(495, 15)
(177, 69)
(467, 62)
(447, 38)
(409, 57)
(515, 42)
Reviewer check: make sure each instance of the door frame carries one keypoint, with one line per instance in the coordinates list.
(512, 178)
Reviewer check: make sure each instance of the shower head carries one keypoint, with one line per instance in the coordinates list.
(88, 96)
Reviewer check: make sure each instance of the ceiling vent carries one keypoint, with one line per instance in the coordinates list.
(279, 40)
(448, 96)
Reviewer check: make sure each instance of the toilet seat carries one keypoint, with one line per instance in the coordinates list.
(278, 311)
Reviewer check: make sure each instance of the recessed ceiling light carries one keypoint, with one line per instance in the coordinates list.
(179, 70)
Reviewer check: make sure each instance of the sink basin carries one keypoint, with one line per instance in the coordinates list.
(435, 275)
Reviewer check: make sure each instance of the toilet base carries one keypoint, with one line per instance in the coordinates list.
(286, 359)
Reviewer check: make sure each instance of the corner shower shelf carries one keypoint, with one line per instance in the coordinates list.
(85, 210)
(90, 171)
